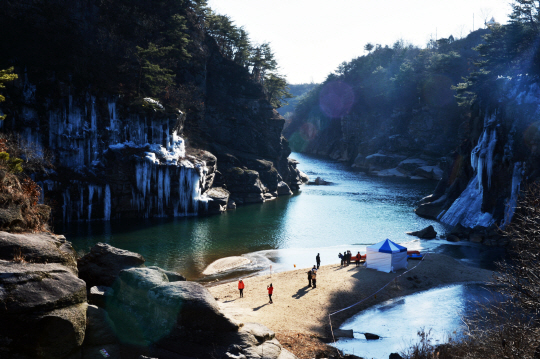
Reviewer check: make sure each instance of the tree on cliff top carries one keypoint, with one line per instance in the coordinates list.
(234, 44)
(6, 76)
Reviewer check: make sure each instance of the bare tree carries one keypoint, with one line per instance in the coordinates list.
(485, 13)
(459, 31)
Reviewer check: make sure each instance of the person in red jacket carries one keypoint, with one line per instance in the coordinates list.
(270, 291)
(241, 288)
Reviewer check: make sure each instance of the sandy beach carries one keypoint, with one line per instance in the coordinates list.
(300, 309)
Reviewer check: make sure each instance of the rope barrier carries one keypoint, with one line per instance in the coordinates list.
(366, 298)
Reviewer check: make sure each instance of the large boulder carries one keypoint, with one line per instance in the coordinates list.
(220, 198)
(99, 327)
(147, 307)
(252, 341)
(411, 164)
(426, 233)
(30, 286)
(245, 184)
(102, 265)
(190, 305)
(11, 217)
(42, 310)
(38, 248)
(283, 189)
(430, 210)
(171, 276)
(134, 283)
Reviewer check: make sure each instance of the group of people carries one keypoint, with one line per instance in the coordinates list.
(269, 288)
(347, 257)
(312, 278)
(312, 273)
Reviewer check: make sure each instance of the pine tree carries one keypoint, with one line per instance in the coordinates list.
(277, 90)
(153, 76)
(5, 76)
(526, 12)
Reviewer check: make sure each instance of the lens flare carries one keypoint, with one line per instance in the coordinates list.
(336, 99)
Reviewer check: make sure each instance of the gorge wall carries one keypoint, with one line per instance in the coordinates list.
(394, 113)
(217, 143)
(497, 159)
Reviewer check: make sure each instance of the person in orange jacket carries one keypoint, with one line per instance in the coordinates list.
(270, 291)
(241, 288)
(358, 257)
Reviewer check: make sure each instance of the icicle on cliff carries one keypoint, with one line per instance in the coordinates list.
(134, 167)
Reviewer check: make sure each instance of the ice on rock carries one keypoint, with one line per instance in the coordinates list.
(514, 193)
(467, 209)
(166, 182)
(107, 204)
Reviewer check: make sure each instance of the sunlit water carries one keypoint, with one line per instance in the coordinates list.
(354, 211)
(438, 311)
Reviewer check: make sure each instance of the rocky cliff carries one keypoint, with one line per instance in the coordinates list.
(117, 155)
(498, 156)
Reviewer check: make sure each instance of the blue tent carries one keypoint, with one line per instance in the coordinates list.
(386, 256)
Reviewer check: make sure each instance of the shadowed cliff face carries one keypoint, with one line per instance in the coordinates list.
(117, 155)
(498, 157)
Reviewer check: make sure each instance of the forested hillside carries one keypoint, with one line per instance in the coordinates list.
(396, 99)
(467, 106)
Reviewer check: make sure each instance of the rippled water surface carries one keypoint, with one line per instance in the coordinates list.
(355, 210)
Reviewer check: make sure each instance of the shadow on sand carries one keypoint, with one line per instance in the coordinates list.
(301, 292)
(260, 306)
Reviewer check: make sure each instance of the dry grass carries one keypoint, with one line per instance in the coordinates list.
(306, 346)
(19, 195)
(18, 257)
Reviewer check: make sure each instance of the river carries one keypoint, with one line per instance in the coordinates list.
(354, 211)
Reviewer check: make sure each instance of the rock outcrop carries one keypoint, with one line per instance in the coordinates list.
(103, 264)
(42, 310)
(426, 233)
(38, 248)
(483, 176)
(149, 312)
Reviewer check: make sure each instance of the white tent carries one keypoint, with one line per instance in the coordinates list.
(386, 256)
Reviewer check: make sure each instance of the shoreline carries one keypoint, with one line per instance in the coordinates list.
(300, 309)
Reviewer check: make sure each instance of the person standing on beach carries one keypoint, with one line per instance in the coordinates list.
(270, 291)
(358, 257)
(318, 260)
(309, 274)
(314, 277)
(341, 258)
(241, 288)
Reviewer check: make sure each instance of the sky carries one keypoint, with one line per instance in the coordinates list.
(310, 38)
